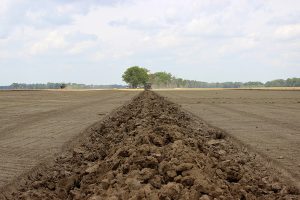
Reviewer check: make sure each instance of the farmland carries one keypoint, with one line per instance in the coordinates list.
(267, 121)
(150, 147)
(36, 124)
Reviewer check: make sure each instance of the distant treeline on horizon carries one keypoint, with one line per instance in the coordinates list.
(172, 83)
(181, 83)
(59, 86)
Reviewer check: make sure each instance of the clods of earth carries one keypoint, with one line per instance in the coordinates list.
(152, 149)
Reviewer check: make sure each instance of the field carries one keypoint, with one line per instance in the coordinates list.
(151, 148)
(36, 124)
(268, 121)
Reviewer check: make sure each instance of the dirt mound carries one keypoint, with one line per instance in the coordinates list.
(151, 149)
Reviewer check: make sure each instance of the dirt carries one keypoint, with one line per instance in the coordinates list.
(267, 121)
(35, 125)
(151, 149)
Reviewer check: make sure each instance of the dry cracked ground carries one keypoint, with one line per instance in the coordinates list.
(151, 149)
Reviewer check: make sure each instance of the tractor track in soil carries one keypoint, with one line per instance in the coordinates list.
(151, 149)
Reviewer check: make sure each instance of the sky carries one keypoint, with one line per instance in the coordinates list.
(94, 41)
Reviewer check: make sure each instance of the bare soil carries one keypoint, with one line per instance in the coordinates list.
(267, 121)
(35, 125)
(151, 149)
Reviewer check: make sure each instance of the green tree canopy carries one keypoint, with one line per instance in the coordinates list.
(253, 84)
(276, 83)
(136, 76)
(293, 82)
(161, 78)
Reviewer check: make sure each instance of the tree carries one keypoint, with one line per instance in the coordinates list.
(276, 83)
(161, 79)
(15, 85)
(135, 76)
(253, 84)
(293, 82)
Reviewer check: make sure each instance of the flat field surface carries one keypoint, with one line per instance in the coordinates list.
(268, 121)
(34, 125)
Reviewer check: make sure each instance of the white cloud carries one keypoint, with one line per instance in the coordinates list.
(3, 6)
(16, 14)
(238, 45)
(110, 55)
(64, 41)
(98, 56)
(4, 54)
(168, 40)
(81, 47)
(173, 33)
(291, 31)
(202, 26)
(54, 40)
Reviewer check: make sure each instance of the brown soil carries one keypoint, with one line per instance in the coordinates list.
(151, 149)
(35, 125)
(267, 121)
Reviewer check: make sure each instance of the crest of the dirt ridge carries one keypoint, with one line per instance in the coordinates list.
(151, 149)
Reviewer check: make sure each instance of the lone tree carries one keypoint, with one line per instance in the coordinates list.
(136, 76)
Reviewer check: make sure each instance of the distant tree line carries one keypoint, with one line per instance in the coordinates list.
(166, 80)
(290, 82)
(58, 86)
(137, 76)
(173, 82)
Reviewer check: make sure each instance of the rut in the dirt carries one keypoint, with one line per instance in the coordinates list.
(151, 149)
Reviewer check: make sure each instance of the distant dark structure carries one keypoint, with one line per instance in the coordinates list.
(147, 86)
(63, 86)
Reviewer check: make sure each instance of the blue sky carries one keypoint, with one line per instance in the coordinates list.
(94, 41)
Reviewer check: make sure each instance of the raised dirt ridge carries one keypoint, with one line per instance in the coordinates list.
(35, 125)
(151, 149)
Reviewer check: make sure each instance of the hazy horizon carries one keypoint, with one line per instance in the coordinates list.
(93, 42)
(124, 84)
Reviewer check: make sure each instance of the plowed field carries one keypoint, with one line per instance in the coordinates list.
(34, 125)
(152, 149)
(267, 121)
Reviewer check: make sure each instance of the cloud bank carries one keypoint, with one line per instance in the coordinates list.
(94, 41)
